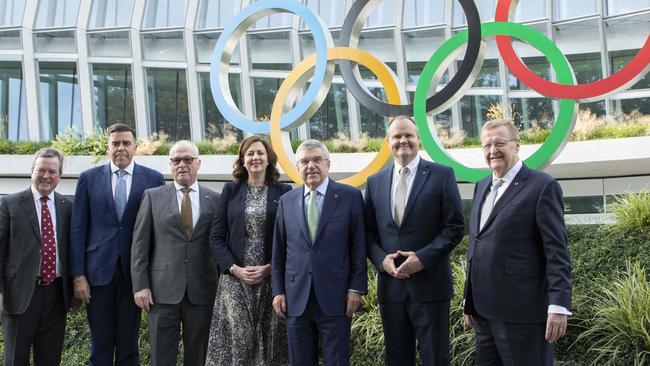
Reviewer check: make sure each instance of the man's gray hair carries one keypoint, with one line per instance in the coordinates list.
(49, 152)
(496, 123)
(184, 143)
(313, 144)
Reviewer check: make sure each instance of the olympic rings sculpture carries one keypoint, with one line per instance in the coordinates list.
(289, 111)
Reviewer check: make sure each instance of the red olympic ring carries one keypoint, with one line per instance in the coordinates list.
(622, 79)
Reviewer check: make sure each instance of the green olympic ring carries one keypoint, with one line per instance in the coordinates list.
(567, 112)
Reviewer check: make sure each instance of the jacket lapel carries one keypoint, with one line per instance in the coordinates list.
(385, 191)
(204, 207)
(299, 208)
(108, 191)
(172, 206)
(418, 182)
(60, 223)
(482, 188)
(513, 189)
(136, 186)
(29, 207)
(330, 202)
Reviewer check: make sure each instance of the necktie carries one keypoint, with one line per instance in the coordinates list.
(48, 245)
(186, 212)
(313, 215)
(488, 205)
(400, 195)
(120, 193)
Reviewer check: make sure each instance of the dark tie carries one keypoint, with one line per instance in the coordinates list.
(186, 212)
(120, 193)
(48, 245)
(400, 195)
(489, 201)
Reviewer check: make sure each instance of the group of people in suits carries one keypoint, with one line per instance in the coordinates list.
(263, 274)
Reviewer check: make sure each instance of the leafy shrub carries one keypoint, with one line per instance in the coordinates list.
(461, 337)
(367, 336)
(70, 143)
(632, 211)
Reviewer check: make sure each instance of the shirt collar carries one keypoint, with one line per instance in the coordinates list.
(413, 165)
(511, 174)
(194, 187)
(322, 188)
(37, 195)
(128, 169)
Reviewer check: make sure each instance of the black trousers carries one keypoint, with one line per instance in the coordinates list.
(41, 326)
(406, 322)
(501, 343)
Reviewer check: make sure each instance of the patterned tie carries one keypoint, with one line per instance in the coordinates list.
(120, 193)
(313, 215)
(48, 245)
(400, 195)
(186, 212)
(488, 205)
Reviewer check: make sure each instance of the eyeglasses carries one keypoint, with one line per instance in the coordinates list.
(186, 161)
(499, 144)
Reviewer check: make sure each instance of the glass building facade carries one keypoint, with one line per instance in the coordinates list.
(84, 64)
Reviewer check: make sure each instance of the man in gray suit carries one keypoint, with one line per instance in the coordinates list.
(35, 289)
(173, 270)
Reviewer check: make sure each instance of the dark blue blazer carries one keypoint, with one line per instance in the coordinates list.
(228, 231)
(334, 263)
(432, 227)
(97, 237)
(519, 263)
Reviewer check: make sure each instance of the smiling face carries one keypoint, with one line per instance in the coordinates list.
(185, 165)
(313, 167)
(256, 159)
(500, 149)
(45, 174)
(121, 148)
(403, 140)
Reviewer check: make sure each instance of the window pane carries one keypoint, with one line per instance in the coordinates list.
(489, 76)
(205, 43)
(167, 103)
(597, 108)
(111, 13)
(109, 44)
(331, 11)
(417, 47)
(580, 42)
(583, 205)
(623, 6)
(382, 14)
(372, 123)
(216, 13)
(539, 65)
(380, 44)
(564, 9)
(10, 40)
(11, 12)
(59, 41)
(270, 51)
(113, 90)
(164, 46)
(281, 19)
(473, 109)
(629, 106)
(423, 12)
(332, 116)
(532, 112)
(60, 107)
(529, 10)
(624, 37)
(486, 10)
(214, 124)
(57, 13)
(165, 13)
(13, 117)
(265, 90)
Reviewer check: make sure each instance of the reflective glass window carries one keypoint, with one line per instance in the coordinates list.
(597, 108)
(372, 123)
(216, 13)
(533, 59)
(277, 20)
(270, 51)
(423, 12)
(331, 119)
(529, 10)
(474, 109)
(580, 42)
(583, 205)
(163, 46)
(60, 102)
(624, 37)
(58, 41)
(111, 13)
(565, 9)
(11, 12)
(167, 103)
(381, 44)
(57, 13)
(10, 40)
(214, 124)
(624, 6)
(205, 43)
(485, 8)
(382, 14)
(113, 94)
(532, 112)
(165, 13)
(331, 11)
(489, 76)
(109, 44)
(637, 109)
(417, 48)
(265, 90)
(13, 116)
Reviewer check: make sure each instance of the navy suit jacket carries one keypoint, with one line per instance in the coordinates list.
(333, 264)
(432, 227)
(229, 225)
(97, 237)
(519, 263)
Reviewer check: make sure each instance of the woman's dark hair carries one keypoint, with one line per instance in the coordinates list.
(241, 174)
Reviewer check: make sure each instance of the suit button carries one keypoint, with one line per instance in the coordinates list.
(186, 261)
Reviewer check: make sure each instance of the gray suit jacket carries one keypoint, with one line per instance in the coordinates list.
(20, 248)
(164, 259)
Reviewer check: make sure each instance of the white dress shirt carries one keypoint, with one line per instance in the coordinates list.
(51, 206)
(413, 167)
(194, 198)
(320, 197)
(127, 178)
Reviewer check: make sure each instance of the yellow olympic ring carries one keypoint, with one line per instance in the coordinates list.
(280, 139)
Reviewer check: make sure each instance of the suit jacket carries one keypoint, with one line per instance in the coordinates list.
(432, 227)
(334, 263)
(519, 263)
(98, 237)
(229, 227)
(20, 248)
(164, 259)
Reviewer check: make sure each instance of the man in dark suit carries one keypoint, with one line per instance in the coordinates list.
(174, 272)
(414, 219)
(319, 261)
(518, 289)
(35, 290)
(106, 202)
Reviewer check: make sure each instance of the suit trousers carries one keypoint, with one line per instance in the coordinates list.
(165, 327)
(42, 326)
(511, 344)
(405, 322)
(114, 321)
(305, 331)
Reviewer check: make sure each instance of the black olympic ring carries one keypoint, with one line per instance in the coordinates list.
(467, 72)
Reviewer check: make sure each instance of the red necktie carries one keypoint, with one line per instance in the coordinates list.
(48, 246)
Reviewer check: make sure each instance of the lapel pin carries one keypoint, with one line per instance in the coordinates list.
(336, 195)
(516, 183)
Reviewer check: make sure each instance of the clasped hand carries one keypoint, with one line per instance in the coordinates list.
(411, 265)
(252, 275)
